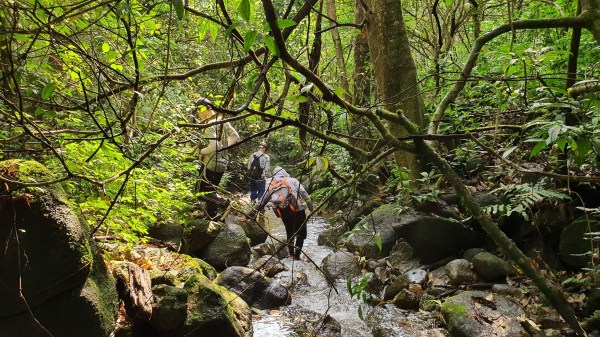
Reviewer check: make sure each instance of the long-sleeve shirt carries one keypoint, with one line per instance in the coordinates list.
(296, 189)
(219, 137)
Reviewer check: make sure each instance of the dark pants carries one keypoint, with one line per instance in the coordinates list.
(295, 229)
(207, 184)
(257, 189)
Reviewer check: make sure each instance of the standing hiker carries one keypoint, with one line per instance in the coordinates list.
(258, 171)
(213, 159)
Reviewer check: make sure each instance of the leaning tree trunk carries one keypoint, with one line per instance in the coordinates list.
(394, 70)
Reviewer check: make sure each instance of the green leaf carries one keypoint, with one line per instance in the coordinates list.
(270, 43)
(231, 28)
(245, 9)
(310, 162)
(179, 9)
(250, 82)
(583, 147)
(299, 99)
(281, 23)
(105, 47)
(48, 90)
(349, 286)
(562, 143)
(537, 148)
(508, 151)
(360, 313)
(378, 242)
(249, 40)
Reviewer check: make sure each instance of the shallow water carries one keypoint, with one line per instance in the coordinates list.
(318, 295)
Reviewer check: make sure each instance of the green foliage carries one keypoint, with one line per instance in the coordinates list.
(521, 198)
(358, 289)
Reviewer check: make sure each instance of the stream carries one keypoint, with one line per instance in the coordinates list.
(320, 297)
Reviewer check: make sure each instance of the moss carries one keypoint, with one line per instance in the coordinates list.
(453, 311)
(30, 171)
(593, 322)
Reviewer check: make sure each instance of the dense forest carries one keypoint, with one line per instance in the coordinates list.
(455, 140)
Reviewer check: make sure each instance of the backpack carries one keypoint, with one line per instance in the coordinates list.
(255, 172)
(282, 196)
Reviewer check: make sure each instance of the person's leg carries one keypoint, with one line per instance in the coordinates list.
(260, 189)
(300, 232)
(255, 190)
(213, 200)
(287, 217)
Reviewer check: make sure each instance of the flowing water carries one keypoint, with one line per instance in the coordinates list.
(321, 297)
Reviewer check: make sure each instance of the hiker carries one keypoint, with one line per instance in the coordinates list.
(286, 194)
(213, 160)
(258, 171)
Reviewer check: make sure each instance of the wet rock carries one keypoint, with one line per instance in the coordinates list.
(490, 267)
(289, 280)
(340, 264)
(439, 208)
(417, 276)
(214, 311)
(402, 257)
(374, 264)
(470, 253)
(574, 248)
(253, 287)
(383, 273)
(399, 283)
(198, 233)
(169, 309)
(388, 321)
(229, 248)
(459, 272)
(309, 323)
(479, 314)
(486, 199)
(268, 265)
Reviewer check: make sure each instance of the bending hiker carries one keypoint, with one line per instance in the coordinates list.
(213, 159)
(258, 171)
(286, 194)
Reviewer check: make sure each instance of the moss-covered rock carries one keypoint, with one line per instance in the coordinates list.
(198, 233)
(231, 247)
(490, 267)
(574, 246)
(214, 311)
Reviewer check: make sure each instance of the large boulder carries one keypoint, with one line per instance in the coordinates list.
(434, 238)
(403, 257)
(490, 267)
(575, 246)
(374, 229)
(482, 314)
(230, 247)
(254, 229)
(169, 309)
(268, 265)
(253, 287)
(198, 233)
(340, 264)
(168, 232)
(48, 258)
(214, 311)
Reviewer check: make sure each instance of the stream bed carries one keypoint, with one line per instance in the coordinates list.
(317, 295)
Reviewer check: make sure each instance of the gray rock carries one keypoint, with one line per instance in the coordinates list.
(470, 253)
(340, 264)
(490, 267)
(438, 281)
(268, 265)
(435, 238)
(407, 299)
(169, 310)
(574, 247)
(374, 264)
(229, 248)
(198, 233)
(506, 290)
(168, 232)
(254, 229)
(329, 237)
(400, 282)
(417, 276)
(477, 314)
(289, 280)
(402, 257)
(304, 320)
(377, 224)
(486, 199)
(253, 287)
(459, 272)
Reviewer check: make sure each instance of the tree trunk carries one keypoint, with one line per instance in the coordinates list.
(591, 8)
(339, 52)
(394, 70)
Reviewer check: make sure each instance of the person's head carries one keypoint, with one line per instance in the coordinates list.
(203, 106)
(263, 147)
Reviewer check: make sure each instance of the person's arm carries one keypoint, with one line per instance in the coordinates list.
(304, 195)
(210, 148)
(250, 161)
(267, 169)
(232, 136)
